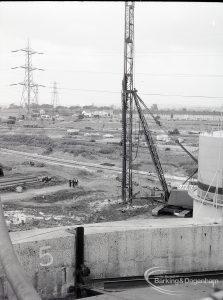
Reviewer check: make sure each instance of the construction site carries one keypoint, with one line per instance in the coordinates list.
(109, 202)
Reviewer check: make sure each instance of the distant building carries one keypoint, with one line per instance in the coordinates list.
(86, 114)
(97, 114)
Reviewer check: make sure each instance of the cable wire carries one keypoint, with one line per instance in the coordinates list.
(147, 94)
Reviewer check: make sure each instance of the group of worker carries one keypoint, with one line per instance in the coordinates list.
(73, 182)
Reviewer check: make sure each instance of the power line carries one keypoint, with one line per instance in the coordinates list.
(183, 96)
(137, 73)
(153, 53)
(181, 75)
(89, 90)
(145, 94)
(140, 73)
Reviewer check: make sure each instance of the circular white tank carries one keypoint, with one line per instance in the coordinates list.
(210, 166)
(208, 198)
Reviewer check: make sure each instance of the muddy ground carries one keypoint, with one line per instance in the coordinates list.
(98, 195)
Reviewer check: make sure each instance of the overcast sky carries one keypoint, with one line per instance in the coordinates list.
(178, 51)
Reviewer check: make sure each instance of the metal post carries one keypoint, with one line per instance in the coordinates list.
(81, 270)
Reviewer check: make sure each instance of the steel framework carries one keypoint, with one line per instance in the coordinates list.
(152, 148)
(55, 97)
(36, 92)
(129, 98)
(29, 92)
(127, 103)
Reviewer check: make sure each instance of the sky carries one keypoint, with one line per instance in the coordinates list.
(178, 52)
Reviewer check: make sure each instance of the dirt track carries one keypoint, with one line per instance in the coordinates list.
(13, 197)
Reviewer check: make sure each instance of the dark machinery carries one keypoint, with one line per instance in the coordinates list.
(178, 203)
(129, 97)
(152, 148)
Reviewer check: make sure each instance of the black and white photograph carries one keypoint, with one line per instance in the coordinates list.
(111, 150)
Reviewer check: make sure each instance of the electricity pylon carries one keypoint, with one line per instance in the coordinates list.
(29, 95)
(55, 96)
(36, 92)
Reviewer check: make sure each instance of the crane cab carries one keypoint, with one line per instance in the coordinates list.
(179, 204)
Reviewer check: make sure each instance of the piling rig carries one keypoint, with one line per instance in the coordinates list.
(130, 98)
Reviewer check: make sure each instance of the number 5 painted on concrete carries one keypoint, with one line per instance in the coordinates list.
(42, 254)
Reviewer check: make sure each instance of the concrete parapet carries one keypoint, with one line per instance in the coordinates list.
(177, 245)
(118, 249)
(47, 256)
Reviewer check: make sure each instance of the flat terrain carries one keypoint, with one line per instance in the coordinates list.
(98, 195)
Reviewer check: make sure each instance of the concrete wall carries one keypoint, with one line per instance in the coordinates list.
(175, 247)
(118, 249)
(48, 259)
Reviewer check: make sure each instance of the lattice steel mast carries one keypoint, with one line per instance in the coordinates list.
(129, 97)
(29, 95)
(127, 103)
(55, 97)
(36, 92)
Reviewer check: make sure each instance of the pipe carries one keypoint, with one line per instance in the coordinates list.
(15, 274)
